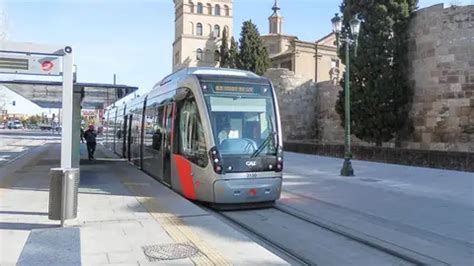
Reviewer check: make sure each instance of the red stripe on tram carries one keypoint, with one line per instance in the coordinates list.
(185, 177)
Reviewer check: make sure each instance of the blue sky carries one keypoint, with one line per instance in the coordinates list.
(133, 38)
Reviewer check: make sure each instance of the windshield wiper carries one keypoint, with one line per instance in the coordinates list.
(264, 144)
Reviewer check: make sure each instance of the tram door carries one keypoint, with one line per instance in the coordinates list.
(129, 137)
(125, 136)
(167, 140)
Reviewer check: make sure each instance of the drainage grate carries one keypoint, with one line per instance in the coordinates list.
(169, 252)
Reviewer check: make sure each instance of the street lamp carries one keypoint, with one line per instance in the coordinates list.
(337, 28)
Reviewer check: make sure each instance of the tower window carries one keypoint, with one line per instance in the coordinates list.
(209, 9)
(199, 29)
(199, 54)
(217, 10)
(217, 31)
(200, 8)
(227, 11)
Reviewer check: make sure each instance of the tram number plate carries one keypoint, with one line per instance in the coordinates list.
(251, 175)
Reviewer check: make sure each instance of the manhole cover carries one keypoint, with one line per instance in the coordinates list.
(169, 251)
(370, 180)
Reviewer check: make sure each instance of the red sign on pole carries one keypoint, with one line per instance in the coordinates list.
(47, 65)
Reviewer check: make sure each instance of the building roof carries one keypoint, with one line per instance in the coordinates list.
(326, 38)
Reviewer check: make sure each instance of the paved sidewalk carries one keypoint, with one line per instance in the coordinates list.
(122, 215)
(424, 210)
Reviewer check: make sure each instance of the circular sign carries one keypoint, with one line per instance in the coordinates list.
(47, 65)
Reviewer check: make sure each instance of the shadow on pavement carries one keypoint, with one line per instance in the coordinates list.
(23, 213)
(25, 226)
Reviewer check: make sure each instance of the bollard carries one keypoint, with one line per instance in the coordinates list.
(63, 190)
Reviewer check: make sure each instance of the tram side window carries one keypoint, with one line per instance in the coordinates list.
(192, 143)
(153, 127)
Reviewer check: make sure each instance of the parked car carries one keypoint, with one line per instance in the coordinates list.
(15, 124)
(2, 125)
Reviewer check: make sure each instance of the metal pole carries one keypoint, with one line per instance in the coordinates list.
(347, 166)
(68, 95)
(68, 117)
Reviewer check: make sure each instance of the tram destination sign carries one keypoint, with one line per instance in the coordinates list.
(30, 65)
(221, 88)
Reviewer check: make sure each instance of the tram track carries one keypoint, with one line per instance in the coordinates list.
(284, 251)
(396, 254)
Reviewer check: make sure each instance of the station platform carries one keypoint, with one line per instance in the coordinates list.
(124, 217)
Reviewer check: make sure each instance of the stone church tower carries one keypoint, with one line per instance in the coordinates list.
(276, 20)
(199, 25)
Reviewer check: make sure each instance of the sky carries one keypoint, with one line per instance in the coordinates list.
(133, 38)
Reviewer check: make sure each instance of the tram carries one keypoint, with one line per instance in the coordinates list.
(211, 134)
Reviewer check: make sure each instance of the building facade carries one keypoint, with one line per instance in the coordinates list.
(199, 26)
(315, 61)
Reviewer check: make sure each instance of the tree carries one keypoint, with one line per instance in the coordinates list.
(380, 93)
(253, 54)
(224, 50)
(234, 57)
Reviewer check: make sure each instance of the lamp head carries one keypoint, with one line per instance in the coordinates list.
(336, 24)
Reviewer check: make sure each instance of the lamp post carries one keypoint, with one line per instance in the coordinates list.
(346, 38)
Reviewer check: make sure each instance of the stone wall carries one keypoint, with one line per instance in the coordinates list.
(298, 102)
(442, 75)
(307, 109)
(441, 71)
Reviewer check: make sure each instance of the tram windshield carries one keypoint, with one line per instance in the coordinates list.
(242, 117)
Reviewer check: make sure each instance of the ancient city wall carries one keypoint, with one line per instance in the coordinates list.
(442, 74)
(297, 101)
(441, 71)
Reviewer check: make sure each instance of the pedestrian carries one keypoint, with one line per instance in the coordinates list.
(90, 136)
(82, 135)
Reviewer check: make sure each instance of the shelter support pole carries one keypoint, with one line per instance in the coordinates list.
(76, 127)
(67, 127)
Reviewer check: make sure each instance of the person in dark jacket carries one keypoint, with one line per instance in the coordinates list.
(90, 135)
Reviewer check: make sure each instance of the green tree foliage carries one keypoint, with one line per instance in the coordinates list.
(34, 119)
(224, 50)
(380, 93)
(234, 57)
(253, 54)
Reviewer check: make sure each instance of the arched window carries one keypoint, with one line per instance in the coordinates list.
(191, 7)
(217, 31)
(217, 10)
(209, 9)
(227, 10)
(199, 54)
(217, 56)
(200, 8)
(199, 29)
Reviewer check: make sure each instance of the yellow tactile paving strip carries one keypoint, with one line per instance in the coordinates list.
(175, 227)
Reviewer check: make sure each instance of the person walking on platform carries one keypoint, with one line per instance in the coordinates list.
(90, 135)
(82, 135)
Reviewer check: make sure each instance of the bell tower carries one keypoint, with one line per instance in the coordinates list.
(276, 20)
(199, 27)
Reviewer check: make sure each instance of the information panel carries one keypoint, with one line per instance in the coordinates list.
(31, 65)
